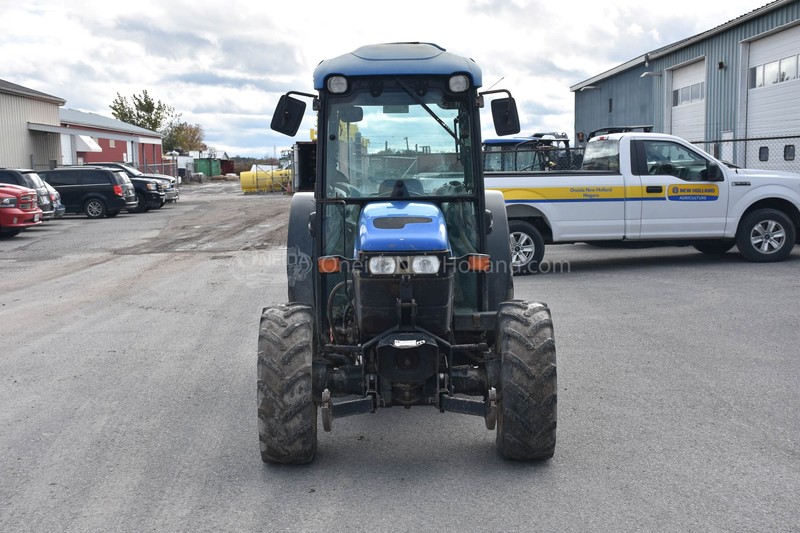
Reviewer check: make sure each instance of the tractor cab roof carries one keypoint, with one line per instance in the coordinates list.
(397, 59)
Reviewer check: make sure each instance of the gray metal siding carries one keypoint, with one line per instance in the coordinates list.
(18, 146)
(648, 100)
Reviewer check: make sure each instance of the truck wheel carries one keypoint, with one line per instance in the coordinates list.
(142, 206)
(765, 235)
(526, 418)
(527, 247)
(94, 208)
(287, 414)
(714, 247)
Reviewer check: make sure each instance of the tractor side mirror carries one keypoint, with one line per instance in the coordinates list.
(288, 115)
(505, 117)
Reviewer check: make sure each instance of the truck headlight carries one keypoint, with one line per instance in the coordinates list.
(425, 264)
(382, 265)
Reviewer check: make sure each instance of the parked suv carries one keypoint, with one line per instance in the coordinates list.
(171, 184)
(18, 209)
(95, 191)
(149, 192)
(30, 179)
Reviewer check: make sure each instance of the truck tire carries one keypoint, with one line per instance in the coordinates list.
(94, 208)
(714, 247)
(527, 247)
(287, 414)
(141, 207)
(526, 414)
(765, 236)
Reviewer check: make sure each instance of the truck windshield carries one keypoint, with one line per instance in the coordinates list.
(396, 142)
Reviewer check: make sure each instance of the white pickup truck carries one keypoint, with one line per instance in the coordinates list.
(650, 188)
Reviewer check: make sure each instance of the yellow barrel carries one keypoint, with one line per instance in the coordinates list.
(265, 180)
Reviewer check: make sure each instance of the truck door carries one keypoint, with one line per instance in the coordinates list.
(678, 199)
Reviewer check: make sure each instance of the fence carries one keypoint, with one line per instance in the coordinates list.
(765, 153)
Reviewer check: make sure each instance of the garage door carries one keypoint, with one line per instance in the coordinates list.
(689, 102)
(773, 98)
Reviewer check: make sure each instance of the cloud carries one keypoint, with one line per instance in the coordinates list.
(225, 64)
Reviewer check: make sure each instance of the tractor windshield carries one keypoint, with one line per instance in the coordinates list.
(395, 138)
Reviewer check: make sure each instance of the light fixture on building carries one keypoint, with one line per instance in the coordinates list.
(589, 88)
(649, 74)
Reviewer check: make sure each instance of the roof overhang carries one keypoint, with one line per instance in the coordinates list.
(84, 143)
(32, 126)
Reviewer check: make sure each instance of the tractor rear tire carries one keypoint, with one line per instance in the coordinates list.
(526, 418)
(287, 414)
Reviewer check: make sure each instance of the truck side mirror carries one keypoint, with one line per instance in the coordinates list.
(288, 115)
(489, 222)
(505, 117)
(713, 173)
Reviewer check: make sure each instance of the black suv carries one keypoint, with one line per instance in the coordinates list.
(149, 192)
(170, 183)
(95, 191)
(30, 179)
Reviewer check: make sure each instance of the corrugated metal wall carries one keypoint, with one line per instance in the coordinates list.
(20, 147)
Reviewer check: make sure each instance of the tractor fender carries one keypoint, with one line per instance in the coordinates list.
(300, 250)
(500, 281)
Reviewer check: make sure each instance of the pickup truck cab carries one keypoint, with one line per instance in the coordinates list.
(650, 188)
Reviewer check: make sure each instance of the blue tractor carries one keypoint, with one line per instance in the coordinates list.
(398, 264)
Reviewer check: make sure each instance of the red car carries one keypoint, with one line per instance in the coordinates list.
(18, 209)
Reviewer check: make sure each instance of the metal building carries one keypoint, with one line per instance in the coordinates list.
(734, 89)
(21, 146)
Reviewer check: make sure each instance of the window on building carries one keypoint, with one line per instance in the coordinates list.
(610, 105)
(763, 153)
(788, 152)
(771, 73)
(112, 143)
(689, 95)
(788, 69)
(757, 76)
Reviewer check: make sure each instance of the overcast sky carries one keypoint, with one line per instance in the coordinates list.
(224, 63)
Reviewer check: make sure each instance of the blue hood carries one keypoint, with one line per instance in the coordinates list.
(401, 227)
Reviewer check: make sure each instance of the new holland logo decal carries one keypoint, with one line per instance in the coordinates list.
(693, 193)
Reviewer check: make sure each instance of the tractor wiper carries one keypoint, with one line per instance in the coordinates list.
(418, 100)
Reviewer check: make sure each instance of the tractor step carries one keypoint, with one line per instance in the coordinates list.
(486, 409)
(331, 410)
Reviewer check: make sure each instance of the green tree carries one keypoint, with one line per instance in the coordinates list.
(182, 136)
(143, 111)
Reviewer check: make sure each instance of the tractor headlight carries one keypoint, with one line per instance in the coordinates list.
(382, 265)
(337, 84)
(386, 265)
(459, 83)
(425, 264)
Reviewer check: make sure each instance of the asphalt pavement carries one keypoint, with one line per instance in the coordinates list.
(128, 392)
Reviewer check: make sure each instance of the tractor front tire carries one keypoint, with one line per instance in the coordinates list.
(287, 414)
(526, 418)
